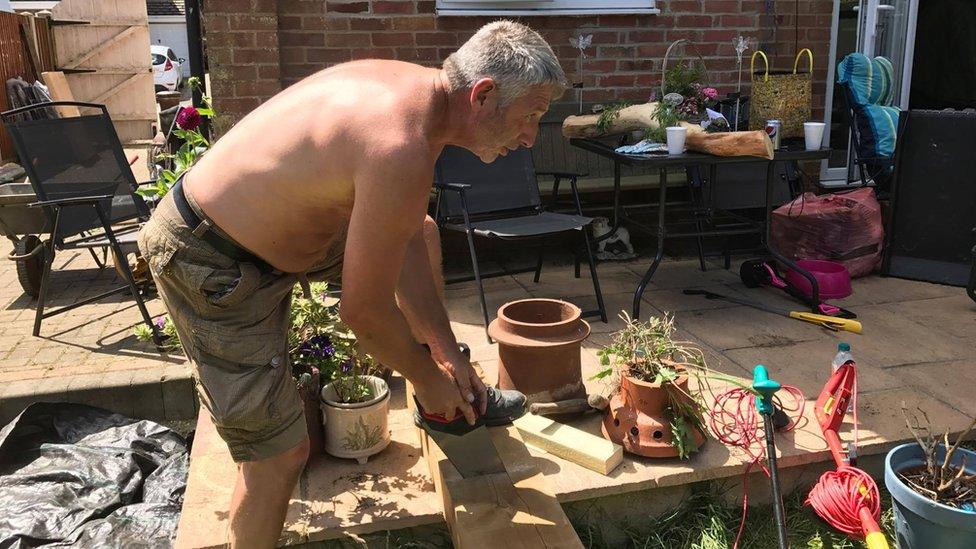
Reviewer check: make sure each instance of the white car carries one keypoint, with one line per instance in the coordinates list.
(166, 68)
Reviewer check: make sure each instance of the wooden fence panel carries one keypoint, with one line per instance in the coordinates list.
(112, 49)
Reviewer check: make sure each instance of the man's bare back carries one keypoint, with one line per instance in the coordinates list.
(281, 182)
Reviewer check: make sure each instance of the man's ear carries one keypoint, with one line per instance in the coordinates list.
(484, 94)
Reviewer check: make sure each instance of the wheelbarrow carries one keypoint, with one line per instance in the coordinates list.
(24, 227)
(30, 229)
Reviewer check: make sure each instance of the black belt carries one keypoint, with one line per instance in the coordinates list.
(204, 229)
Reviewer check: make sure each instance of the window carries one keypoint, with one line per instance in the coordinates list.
(158, 59)
(171, 55)
(544, 7)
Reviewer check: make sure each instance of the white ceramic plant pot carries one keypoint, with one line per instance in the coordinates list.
(360, 429)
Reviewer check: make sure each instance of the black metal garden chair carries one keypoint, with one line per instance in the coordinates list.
(83, 182)
(501, 201)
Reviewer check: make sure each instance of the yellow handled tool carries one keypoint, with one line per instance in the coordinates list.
(830, 322)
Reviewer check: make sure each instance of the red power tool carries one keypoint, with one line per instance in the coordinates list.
(846, 498)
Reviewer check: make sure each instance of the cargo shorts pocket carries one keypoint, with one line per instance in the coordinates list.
(225, 288)
(239, 374)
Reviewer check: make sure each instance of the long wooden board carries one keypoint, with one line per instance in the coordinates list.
(515, 509)
(57, 86)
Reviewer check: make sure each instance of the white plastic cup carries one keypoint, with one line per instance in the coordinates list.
(676, 139)
(813, 134)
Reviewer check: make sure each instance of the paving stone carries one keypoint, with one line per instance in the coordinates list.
(892, 339)
(952, 382)
(806, 366)
(876, 289)
(559, 281)
(955, 315)
(467, 309)
(682, 274)
(743, 327)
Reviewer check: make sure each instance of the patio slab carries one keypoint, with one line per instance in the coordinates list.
(339, 498)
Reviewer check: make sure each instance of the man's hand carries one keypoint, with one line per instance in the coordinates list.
(453, 387)
(472, 388)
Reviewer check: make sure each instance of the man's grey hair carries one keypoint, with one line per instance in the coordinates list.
(511, 54)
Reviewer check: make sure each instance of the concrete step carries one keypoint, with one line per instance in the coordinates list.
(158, 394)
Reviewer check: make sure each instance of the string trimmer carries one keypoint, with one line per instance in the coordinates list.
(756, 272)
(846, 498)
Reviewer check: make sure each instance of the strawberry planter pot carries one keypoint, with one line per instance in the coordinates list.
(360, 429)
(637, 418)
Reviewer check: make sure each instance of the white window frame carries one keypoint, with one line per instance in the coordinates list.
(545, 7)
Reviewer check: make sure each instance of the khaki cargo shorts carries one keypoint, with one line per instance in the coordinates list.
(232, 319)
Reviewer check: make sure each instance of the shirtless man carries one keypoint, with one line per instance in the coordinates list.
(329, 179)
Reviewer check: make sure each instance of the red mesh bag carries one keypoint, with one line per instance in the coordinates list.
(844, 227)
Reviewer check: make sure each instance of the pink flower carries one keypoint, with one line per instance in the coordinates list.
(188, 119)
(710, 93)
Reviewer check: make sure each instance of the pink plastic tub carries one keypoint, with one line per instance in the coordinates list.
(832, 277)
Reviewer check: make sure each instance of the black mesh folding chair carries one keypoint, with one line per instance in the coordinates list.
(501, 200)
(84, 184)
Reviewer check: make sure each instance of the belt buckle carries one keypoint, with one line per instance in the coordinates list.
(201, 229)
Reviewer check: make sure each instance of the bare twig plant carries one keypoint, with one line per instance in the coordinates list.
(939, 480)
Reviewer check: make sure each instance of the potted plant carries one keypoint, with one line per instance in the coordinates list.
(933, 487)
(353, 399)
(326, 362)
(652, 413)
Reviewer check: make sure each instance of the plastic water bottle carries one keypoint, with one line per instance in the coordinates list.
(842, 357)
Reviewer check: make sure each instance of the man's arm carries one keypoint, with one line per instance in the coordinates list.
(390, 204)
(420, 301)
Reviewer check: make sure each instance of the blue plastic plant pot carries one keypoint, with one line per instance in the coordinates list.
(921, 523)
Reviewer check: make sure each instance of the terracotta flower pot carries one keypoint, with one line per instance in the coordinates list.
(539, 348)
(360, 429)
(313, 417)
(637, 418)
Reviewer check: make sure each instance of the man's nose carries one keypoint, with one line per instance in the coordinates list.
(527, 137)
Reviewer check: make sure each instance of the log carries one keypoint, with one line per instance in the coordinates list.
(632, 118)
(572, 444)
(754, 143)
(641, 117)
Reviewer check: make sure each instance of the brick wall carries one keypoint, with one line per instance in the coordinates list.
(257, 47)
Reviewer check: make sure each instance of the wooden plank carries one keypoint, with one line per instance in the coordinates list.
(104, 46)
(57, 86)
(516, 508)
(568, 442)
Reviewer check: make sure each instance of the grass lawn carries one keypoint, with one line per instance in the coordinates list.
(704, 521)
